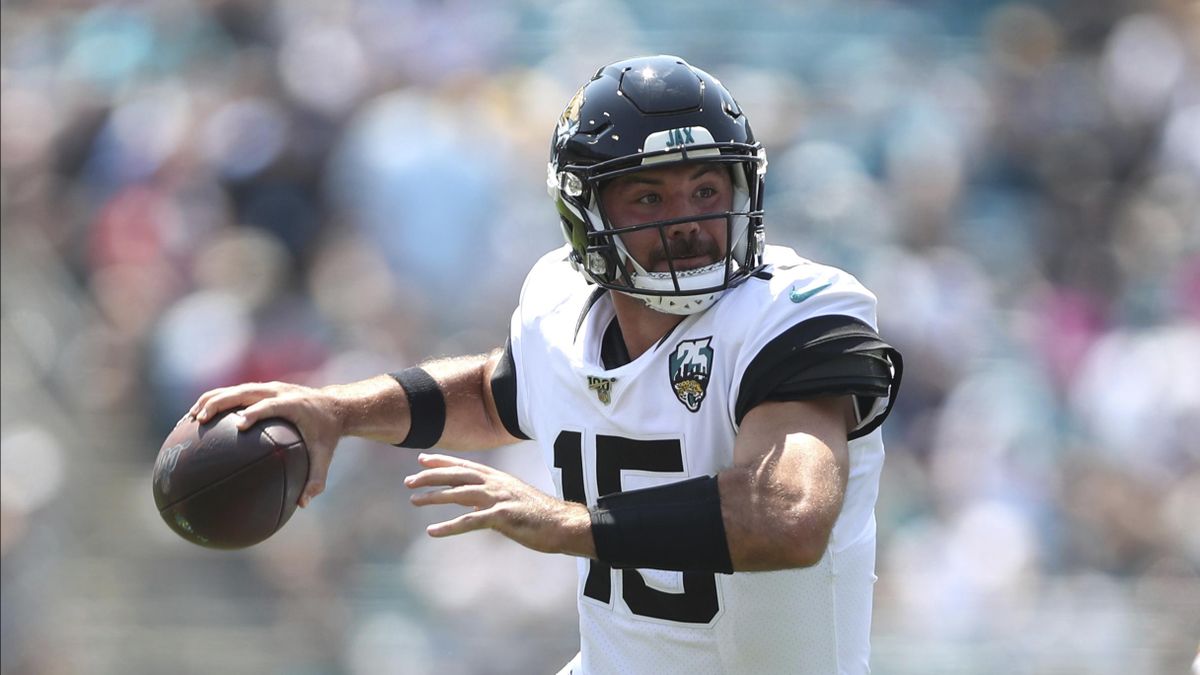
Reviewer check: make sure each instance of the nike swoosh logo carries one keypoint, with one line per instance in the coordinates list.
(799, 297)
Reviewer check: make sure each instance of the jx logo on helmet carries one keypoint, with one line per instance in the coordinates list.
(680, 137)
(676, 139)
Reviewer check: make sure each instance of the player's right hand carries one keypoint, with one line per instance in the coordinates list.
(313, 411)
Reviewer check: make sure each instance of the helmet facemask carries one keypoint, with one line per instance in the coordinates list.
(600, 252)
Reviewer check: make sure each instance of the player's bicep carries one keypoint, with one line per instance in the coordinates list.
(799, 453)
(788, 484)
(782, 431)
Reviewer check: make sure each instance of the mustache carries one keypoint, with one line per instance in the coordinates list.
(689, 247)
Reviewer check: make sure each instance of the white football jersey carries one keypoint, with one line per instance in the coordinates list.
(669, 415)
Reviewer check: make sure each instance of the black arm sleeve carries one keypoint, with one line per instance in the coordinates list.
(504, 391)
(824, 356)
(669, 527)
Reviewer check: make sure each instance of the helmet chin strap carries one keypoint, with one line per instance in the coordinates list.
(684, 305)
(657, 283)
(707, 276)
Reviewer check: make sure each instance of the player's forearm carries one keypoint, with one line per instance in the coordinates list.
(378, 408)
(782, 496)
(375, 408)
(471, 422)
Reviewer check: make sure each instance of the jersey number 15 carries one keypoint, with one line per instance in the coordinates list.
(698, 602)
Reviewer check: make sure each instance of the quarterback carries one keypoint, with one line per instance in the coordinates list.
(708, 405)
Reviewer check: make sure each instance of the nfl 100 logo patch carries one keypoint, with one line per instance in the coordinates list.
(602, 386)
(691, 366)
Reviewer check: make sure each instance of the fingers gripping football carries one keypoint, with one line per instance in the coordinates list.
(499, 501)
(312, 411)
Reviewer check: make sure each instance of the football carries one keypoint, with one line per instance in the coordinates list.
(222, 488)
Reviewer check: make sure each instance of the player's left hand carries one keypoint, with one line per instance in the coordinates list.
(503, 503)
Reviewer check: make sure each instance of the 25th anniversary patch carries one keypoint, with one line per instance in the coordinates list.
(691, 366)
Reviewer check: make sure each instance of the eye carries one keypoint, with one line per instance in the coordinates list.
(649, 198)
(706, 192)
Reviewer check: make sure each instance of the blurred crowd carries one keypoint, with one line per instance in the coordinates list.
(196, 193)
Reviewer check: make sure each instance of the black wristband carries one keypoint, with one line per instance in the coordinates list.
(426, 408)
(671, 527)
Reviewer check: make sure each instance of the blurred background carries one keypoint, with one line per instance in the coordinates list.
(202, 192)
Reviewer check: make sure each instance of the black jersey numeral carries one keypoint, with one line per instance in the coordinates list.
(568, 456)
(698, 602)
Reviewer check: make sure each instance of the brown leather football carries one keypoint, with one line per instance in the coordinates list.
(222, 488)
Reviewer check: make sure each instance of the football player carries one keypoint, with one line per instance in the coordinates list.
(709, 406)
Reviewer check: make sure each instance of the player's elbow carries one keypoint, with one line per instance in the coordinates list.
(806, 553)
(807, 538)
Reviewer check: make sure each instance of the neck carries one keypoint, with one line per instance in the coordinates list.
(640, 325)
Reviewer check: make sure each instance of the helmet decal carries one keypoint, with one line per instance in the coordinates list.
(678, 139)
(568, 121)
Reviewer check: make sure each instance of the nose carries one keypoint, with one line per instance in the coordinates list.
(680, 208)
(682, 230)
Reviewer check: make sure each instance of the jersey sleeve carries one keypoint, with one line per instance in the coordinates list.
(817, 338)
(540, 295)
(504, 391)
